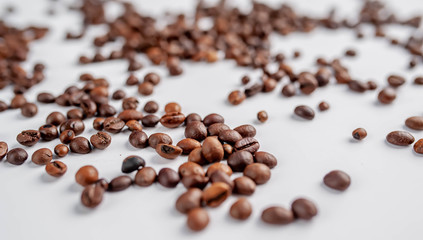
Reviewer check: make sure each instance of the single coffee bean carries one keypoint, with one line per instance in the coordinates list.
(190, 168)
(76, 125)
(158, 138)
(130, 103)
(132, 163)
(98, 124)
(42, 156)
(229, 136)
(17, 156)
(130, 114)
(150, 121)
(55, 118)
(28, 137)
(350, 53)
(92, 195)
(197, 219)
(75, 113)
(244, 186)
(304, 209)
(67, 136)
(80, 145)
(151, 107)
(61, 150)
(236, 97)
(289, 90)
(396, 81)
(17, 101)
(145, 177)
(213, 118)
(119, 184)
(189, 200)
(101, 140)
(415, 123)
(269, 85)
(212, 149)
(132, 80)
(113, 124)
(308, 83)
(195, 181)
(188, 144)
(118, 95)
(134, 125)
(168, 151)
(152, 78)
(216, 128)
(266, 158)
(29, 110)
(86, 175)
(358, 86)
(106, 110)
(221, 176)
(246, 130)
(387, 95)
(418, 146)
(146, 88)
(245, 80)
(239, 160)
(219, 167)
(89, 107)
(45, 98)
(248, 144)
(400, 138)
(241, 209)
(216, 194)
(359, 133)
(305, 112)
(172, 119)
(323, 106)
(196, 130)
(277, 215)
(196, 156)
(253, 90)
(418, 81)
(371, 85)
(337, 180)
(192, 117)
(172, 107)
(3, 150)
(48, 132)
(258, 172)
(262, 116)
(168, 178)
(56, 168)
(138, 139)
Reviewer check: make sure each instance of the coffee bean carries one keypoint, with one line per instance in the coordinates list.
(75, 113)
(86, 175)
(151, 107)
(229, 136)
(192, 117)
(17, 101)
(106, 110)
(67, 136)
(188, 144)
(371, 85)
(172, 107)
(134, 125)
(130, 103)
(119, 184)
(269, 85)
(212, 149)
(415, 123)
(304, 209)
(29, 110)
(196, 156)
(168, 178)
(17, 156)
(113, 124)
(337, 180)
(221, 176)
(248, 144)
(42, 156)
(28, 137)
(89, 107)
(138, 139)
(418, 146)
(190, 168)
(359, 133)
(55, 118)
(150, 121)
(168, 151)
(132, 163)
(418, 81)
(213, 118)
(158, 138)
(130, 114)
(98, 124)
(172, 119)
(308, 83)
(118, 95)
(132, 80)
(80, 145)
(323, 106)
(76, 125)
(277, 215)
(195, 181)
(219, 167)
(246, 130)
(56, 168)
(216, 194)
(262, 116)
(101, 140)
(245, 80)
(216, 128)
(152, 78)
(196, 130)
(3, 150)
(305, 112)
(258, 172)
(197, 219)
(236, 97)
(244, 186)
(48, 132)
(396, 81)
(387, 95)
(145, 177)
(350, 53)
(63, 100)
(358, 86)
(189, 200)
(92, 195)
(400, 138)
(45, 98)
(288, 90)
(266, 158)
(253, 90)
(239, 160)
(61, 150)
(241, 209)
(146, 88)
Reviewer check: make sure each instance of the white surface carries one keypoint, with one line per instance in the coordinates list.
(384, 200)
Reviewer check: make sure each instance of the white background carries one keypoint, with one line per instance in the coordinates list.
(384, 200)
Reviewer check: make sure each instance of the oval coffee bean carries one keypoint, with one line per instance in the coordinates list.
(3, 150)
(246, 130)
(132, 163)
(80, 145)
(213, 118)
(130, 114)
(229, 136)
(17, 156)
(48, 132)
(415, 123)
(190, 168)
(138, 139)
(266, 158)
(212, 149)
(172, 119)
(28, 138)
(197, 219)
(304, 209)
(244, 186)
(188, 144)
(145, 177)
(56, 168)
(248, 144)
(221, 176)
(76, 125)
(158, 138)
(239, 160)
(92, 195)
(196, 130)
(359, 133)
(86, 175)
(387, 95)
(219, 167)
(241, 209)
(216, 194)
(150, 121)
(277, 215)
(168, 151)
(101, 140)
(196, 156)
(42, 156)
(258, 172)
(192, 117)
(216, 128)
(189, 200)
(113, 125)
(195, 181)
(168, 178)
(119, 184)
(61, 150)
(418, 146)
(67, 136)
(400, 138)
(305, 112)
(337, 180)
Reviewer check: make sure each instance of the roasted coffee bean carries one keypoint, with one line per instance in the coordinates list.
(308, 83)
(106, 110)
(396, 81)
(190, 168)
(3, 150)
(415, 123)
(42, 156)
(61, 150)
(248, 144)
(56, 168)
(305, 112)
(216, 194)
(228, 150)
(86, 175)
(258, 172)
(216, 128)
(152, 78)
(253, 90)
(45, 98)
(229, 136)
(17, 156)
(244, 186)
(132, 80)
(371, 85)
(359, 133)
(76, 125)
(75, 113)
(146, 88)
(138, 139)
(192, 117)
(48, 132)
(236, 97)
(358, 86)
(134, 125)
(3, 106)
(239, 160)
(63, 100)
(350, 53)
(92, 195)
(304, 209)
(219, 167)
(221, 176)
(29, 110)
(172, 107)
(17, 101)
(132, 163)
(130, 103)
(101, 140)
(387, 95)
(266, 158)
(113, 124)
(168, 178)
(262, 116)
(188, 144)
(288, 90)
(213, 118)
(80, 145)
(130, 114)
(119, 184)
(98, 124)
(196, 130)
(241, 209)
(418, 81)
(337, 180)
(196, 156)
(151, 107)
(269, 85)
(145, 177)
(118, 95)
(67, 136)
(212, 149)
(55, 118)
(189, 200)
(245, 80)
(197, 219)
(150, 120)
(168, 151)
(323, 106)
(89, 107)
(277, 215)
(28, 137)
(172, 119)
(400, 138)
(246, 130)
(418, 146)
(195, 181)
(158, 138)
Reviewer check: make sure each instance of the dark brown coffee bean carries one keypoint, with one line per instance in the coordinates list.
(92, 195)
(212, 149)
(269, 85)
(305, 112)
(236, 97)
(241, 209)
(418, 81)
(192, 117)
(132, 80)
(229, 136)
(337, 180)
(196, 130)
(113, 124)
(106, 110)
(101, 140)
(89, 107)
(277, 215)
(219, 167)
(130, 114)
(67, 136)
(359, 133)
(29, 110)
(168, 151)
(56, 168)
(197, 219)
(130, 103)
(244, 186)
(118, 95)
(216, 128)
(266, 158)
(61, 150)
(418, 146)
(158, 138)
(152, 78)
(42, 156)
(188, 144)
(262, 116)
(248, 144)
(45, 98)
(134, 125)
(145, 177)
(288, 90)
(28, 137)
(239, 160)
(17, 156)
(308, 83)
(245, 80)
(168, 178)
(76, 125)
(216, 194)
(358, 86)
(63, 100)
(98, 124)
(371, 85)
(190, 168)
(151, 107)
(48, 132)
(387, 95)
(258, 172)
(195, 181)
(17, 101)
(213, 118)
(350, 53)
(415, 123)
(396, 81)
(80, 145)
(323, 106)
(119, 184)
(221, 176)
(3, 150)
(150, 120)
(138, 139)
(75, 113)
(55, 118)
(172, 119)
(172, 107)
(189, 200)
(132, 163)
(86, 77)
(253, 90)
(304, 209)
(246, 130)
(228, 149)
(86, 175)
(400, 138)
(197, 156)
(146, 88)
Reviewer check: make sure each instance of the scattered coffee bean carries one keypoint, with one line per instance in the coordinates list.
(92, 195)
(17, 156)
(42, 156)
(248, 144)
(239, 160)
(387, 95)
(400, 138)
(418, 146)
(151, 107)
(80, 145)
(371, 85)
(288, 90)
(196, 130)
(61, 150)
(308, 83)
(229, 136)
(152, 78)
(132, 163)
(86, 175)
(253, 90)
(101, 140)
(17, 101)
(98, 124)
(55, 118)
(168, 151)
(244, 186)
(189, 200)
(266, 158)
(28, 137)
(304, 209)
(126, 115)
(305, 112)
(113, 124)
(45, 98)
(172, 119)
(218, 166)
(246, 130)
(3, 106)
(323, 106)
(134, 125)
(48, 132)
(213, 118)
(197, 219)
(138, 139)
(56, 168)
(119, 184)
(216, 194)
(188, 144)
(145, 177)
(195, 181)
(359, 133)
(146, 88)
(236, 97)
(158, 138)
(118, 95)
(3, 150)
(168, 178)
(396, 81)
(132, 80)
(190, 168)
(277, 215)
(75, 113)
(216, 128)
(212, 149)
(67, 136)
(130, 103)
(245, 80)
(258, 172)
(172, 107)
(150, 121)
(358, 86)
(241, 209)
(418, 81)
(262, 116)
(221, 176)
(192, 117)
(76, 125)
(337, 180)
(415, 122)
(350, 53)
(196, 156)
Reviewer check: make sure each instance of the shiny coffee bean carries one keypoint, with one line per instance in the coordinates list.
(42, 156)
(3, 150)
(152, 78)
(196, 130)
(132, 163)
(118, 95)
(266, 158)
(308, 83)
(323, 106)
(86, 175)
(241, 209)
(28, 137)
(55, 118)
(3, 106)
(188, 144)
(229, 136)
(48, 132)
(236, 97)
(75, 114)
(304, 112)
(45, 98)
(76, 125)
(277, 215)
(98, 124)
(16, 156)
(172, 107)
(92, 195)
(80, 145)
(168, 178)
(146, 88)
(67, 136)
(396, 81)
(29, 110)
(106, 110)
(337, 180)
(400, 138)
(197, 219)
(190, 168)
(262, 116)
(258, 172)
(216, 128)
(101, 140)
(130, 114)
(228, 149)
(56, 168)
(150, 121)
(221, 176)
(89, 107)
(196, 156)
(387, 95)
(61, 150)
(218, 166)
(17, 101)
(248, 144)
(192, 117)
(244, 186)
(168, 151)
(195, 181)
(151, 107)
(216, 194)
(359, 133)
(132, 80)
(213, 118)
(130, 103)
(113, 125)
(119, 184)
(246, 130)
(172, 119)
(189, 200)
(212, 149)
(138, 139)
(415, 122)
(134, 125)
(323, 76)
(289, 90)
(158, 138)
(358, 86)
(145, 177)
(304, 209)
(239, 160)
(418, 146)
